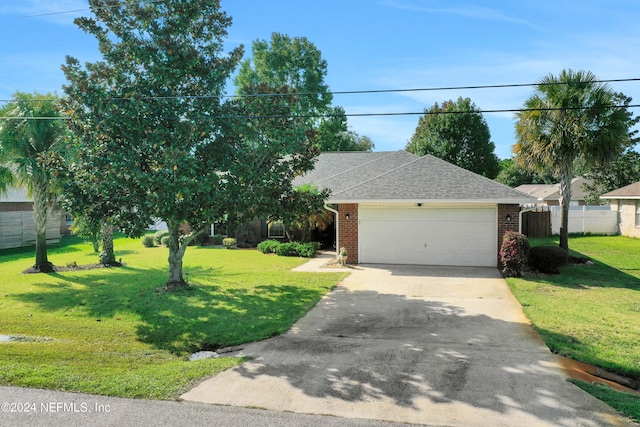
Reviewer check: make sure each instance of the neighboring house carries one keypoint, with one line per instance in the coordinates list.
(549, 194)
(398, 208)
(17, 227)
(626, 201)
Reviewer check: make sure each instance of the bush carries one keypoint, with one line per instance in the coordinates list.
(514, 253)
(548, 259)
(201, 239)
(216, 239)
(287, 249)
(308, 250)
(159, 235)
(164, 241)
(229, 242)
(268, 246)
(148, 241)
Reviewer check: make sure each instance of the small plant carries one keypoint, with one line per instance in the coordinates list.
(148, 241)
(216, 239)
(308, 250)
(159, 235)
(164, 241)
(288, 249)
(201, 239)
(229, 242)
(548, 259)
(268, 246)
(514, 253)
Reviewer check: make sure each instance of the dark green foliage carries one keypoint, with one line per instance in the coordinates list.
(287, 249)
(308, 250)
(202, 238)
(216, 239)
(268, 246)
(456, 132)
(548, 259)
(305, 250)
(148, 241)
(620, 173)
(514, 253)
(164, 241)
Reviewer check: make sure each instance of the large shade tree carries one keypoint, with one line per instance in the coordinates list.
(458, 133)
(155, 136)
(30, 130)
(571, 117)
(297, 64)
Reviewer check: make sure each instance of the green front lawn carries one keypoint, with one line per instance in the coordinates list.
(109, 331)
(590, 313)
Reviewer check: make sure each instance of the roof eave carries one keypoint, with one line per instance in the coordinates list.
(436, 201)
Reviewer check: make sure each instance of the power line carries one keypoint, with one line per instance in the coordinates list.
(81, 10)
(350, 92)
(318, 116)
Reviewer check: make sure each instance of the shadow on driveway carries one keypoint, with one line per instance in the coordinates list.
(411, 344)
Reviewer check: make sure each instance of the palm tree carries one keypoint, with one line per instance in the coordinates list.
(30, 130)
(571, 117)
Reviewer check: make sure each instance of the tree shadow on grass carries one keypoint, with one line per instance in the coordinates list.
(202, 316)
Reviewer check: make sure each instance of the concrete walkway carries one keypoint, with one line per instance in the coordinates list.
(424, 345)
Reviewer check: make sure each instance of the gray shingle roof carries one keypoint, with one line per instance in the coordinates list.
(631, 191)
(398, 176)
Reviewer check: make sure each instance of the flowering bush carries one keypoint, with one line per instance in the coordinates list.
(514, 253)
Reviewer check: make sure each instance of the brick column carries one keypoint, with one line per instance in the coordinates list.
(508, 219)
(348, 230)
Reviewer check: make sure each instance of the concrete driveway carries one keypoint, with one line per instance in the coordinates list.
(423, 345)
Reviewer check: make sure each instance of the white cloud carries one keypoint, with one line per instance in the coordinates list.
(468, 11)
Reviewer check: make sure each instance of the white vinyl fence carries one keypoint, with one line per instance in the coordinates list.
(586, 219)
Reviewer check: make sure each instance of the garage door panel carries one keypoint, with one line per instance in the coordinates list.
(428, 236)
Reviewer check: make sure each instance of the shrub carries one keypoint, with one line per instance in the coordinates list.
(148, 241)
(164, 241)
(514, 253)
(202, 238)
(308, 250)
(229, 242)
(268, 246)
(216, 239)
(287, 249)
(159, 235)
(548, 259)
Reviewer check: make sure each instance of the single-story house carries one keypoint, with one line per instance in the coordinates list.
(626, 201)
(398, 208)
(17, 226)
(549, 194)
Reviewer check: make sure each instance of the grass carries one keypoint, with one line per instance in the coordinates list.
(110, 332)
(591, 313)
(626, 403)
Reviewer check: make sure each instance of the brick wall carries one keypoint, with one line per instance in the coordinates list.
(348, 230)
(508, 219)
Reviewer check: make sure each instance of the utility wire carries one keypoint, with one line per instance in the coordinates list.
(349, 92)
(309, 116)
(82, 10)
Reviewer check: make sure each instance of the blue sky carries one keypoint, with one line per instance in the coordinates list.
(381, 44)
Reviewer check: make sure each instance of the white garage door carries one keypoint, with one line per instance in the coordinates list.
(460, 236)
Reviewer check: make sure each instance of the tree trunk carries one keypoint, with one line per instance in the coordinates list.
(40, 213)
(177, 249)
(566, 175)
(108, 255)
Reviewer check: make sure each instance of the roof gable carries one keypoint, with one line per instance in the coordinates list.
(631, 191)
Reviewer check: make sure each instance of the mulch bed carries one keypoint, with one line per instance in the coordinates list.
(73, 267)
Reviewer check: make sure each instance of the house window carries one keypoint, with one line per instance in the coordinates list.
(276, 230)
(637, 213)
(68, 218)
